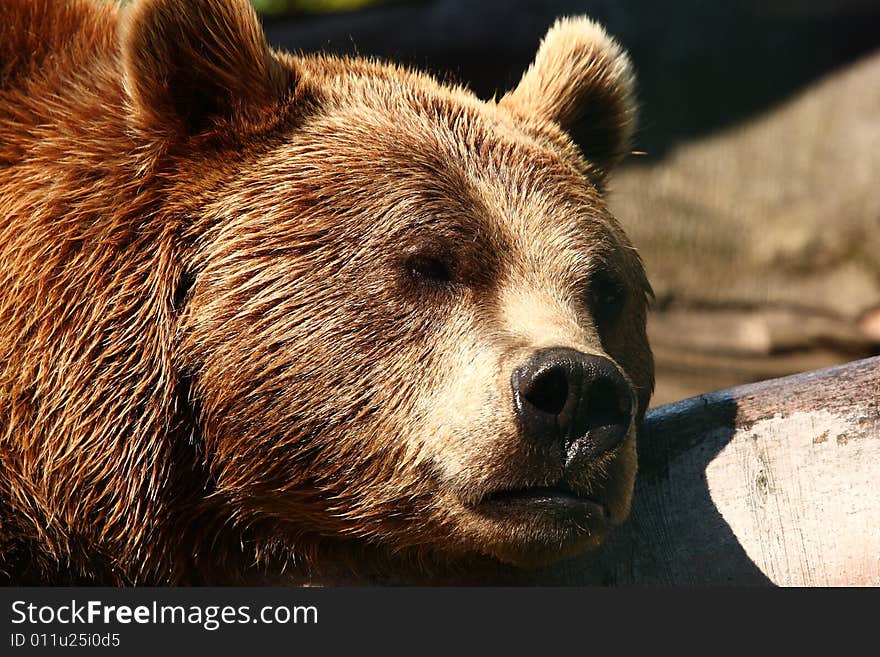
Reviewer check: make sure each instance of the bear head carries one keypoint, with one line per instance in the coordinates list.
(409, 319)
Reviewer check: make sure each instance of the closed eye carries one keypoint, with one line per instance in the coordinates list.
(435, 270)
(605, 299)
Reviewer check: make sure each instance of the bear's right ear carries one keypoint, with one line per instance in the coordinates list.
(190, 61)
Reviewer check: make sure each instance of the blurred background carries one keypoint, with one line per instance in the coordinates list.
(757, 204)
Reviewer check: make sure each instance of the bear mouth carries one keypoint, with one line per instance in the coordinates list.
(558, 500)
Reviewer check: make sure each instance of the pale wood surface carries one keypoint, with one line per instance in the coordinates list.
(770, 483)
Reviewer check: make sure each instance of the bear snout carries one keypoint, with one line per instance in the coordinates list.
(578, 404)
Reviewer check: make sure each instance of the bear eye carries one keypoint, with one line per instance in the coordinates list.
(606, 297)
(431, 270)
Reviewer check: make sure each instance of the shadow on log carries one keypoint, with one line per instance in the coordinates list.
(770, 483)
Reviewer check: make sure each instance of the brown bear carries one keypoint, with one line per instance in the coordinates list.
(267, 316)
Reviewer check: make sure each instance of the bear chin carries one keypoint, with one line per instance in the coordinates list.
(536, 530)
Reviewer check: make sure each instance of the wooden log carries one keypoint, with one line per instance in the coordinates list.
(770, 483)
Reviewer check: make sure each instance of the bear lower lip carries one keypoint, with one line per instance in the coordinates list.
(532, 527)
(549, 500)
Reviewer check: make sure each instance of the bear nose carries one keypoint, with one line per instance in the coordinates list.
(563, 396)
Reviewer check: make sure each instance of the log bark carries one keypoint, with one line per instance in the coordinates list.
(774, 483)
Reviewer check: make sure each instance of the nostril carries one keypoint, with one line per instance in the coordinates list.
(548, 391)
(606, 405)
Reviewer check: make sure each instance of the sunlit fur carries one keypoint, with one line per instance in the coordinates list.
(214, 367)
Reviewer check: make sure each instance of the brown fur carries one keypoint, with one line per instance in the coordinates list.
(214, 365)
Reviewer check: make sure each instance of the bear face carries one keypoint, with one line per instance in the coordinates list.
(402, 317)
(365, 290)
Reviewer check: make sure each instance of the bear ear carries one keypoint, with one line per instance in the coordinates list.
(190, 61)
(582, 80)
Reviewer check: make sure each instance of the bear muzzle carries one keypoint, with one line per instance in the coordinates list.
(574, 413)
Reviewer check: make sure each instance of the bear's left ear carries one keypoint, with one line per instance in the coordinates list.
(189, 61)
(583, 80)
